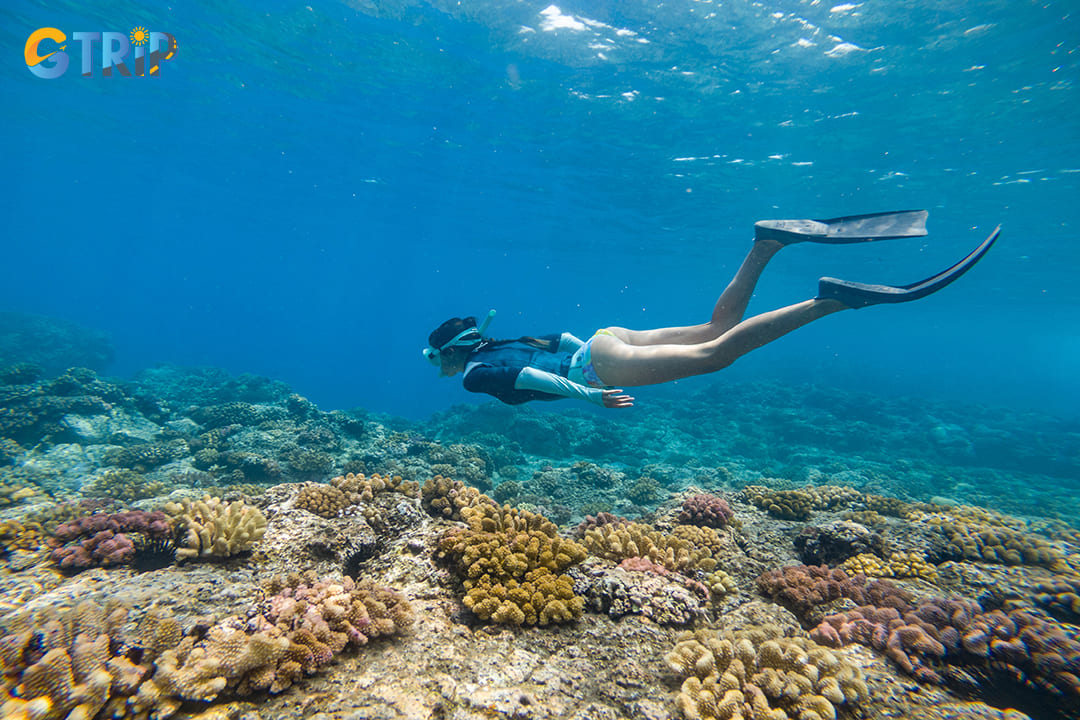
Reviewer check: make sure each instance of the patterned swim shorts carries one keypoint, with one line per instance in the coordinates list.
(582, 371)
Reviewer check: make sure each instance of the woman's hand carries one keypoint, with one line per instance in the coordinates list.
(616, 398)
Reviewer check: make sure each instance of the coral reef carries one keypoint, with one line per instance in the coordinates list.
(359, 487)
(898, 565)
(106, 540)
(708, 510)
(146, 456)
(798, 504)
(443, 497)
(687, 547)
(77, 663)
(323, 500)
(991, 541)
(802, 587)
(512, 565)
(1060, 596)
(1012, 582)
(14, 491)
(728, 677)
(784, 504)
(125, 485)
(212, 529)
(322, 618)
(16, 535)
(640, 587)
(31, 414)
(832, 543)
(49, 343)
(591, 522)
(60, 663)
(230, 413)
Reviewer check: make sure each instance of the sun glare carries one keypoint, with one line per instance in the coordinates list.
(139, 36)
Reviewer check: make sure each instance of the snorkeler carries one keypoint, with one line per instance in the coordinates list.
(551, 367)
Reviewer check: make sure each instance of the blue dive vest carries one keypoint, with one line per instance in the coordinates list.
(494, 369)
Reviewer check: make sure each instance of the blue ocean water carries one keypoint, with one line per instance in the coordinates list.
(307, 190)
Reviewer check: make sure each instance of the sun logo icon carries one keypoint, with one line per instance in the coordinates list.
(139, 36)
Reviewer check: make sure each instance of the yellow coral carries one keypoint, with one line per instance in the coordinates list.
(727, 676)
(323, 500)
(69, 676)
(214, 529)
(511, 562)
(993, 538)
(362, 488)
(899, 565)
(443, 497)
(688, 547)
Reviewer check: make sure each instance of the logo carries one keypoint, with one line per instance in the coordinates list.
(45, 56)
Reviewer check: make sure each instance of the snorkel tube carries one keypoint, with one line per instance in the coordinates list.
(469, 336)
(487, 321)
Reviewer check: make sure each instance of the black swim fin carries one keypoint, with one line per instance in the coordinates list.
(852, 229)
(860, 295)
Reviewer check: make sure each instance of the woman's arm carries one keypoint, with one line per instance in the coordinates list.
(541, 381)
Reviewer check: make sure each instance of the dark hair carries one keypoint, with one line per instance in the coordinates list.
(453, 326)
(442, 334)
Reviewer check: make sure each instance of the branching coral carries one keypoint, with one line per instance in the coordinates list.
(511, 562)
(728, 677)
(640, 587)
(15, 535)
(798, 504)
(322, 618)
(211, 528)
(59, 663)
(784, 504)
(145, 456)
(592, 522)
(78, 663)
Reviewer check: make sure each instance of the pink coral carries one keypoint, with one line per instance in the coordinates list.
(1015, 645)
(105, 548)
(154, 525)
(707, 510)
(643, 565)
(802, 587)
(105, 540)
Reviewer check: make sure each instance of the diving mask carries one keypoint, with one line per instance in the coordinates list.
(469, 336)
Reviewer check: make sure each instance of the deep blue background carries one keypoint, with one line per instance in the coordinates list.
(306, 191)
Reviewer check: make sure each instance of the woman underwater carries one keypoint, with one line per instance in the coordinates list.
(562, 366)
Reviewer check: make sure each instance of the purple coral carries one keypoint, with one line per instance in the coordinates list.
(105, 548)
(1016, 644)
(103, 540)
(801, 587)
(706, 510)
(154, 525)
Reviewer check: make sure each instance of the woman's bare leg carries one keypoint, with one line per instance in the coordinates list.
(727, 312)
(620, 364)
